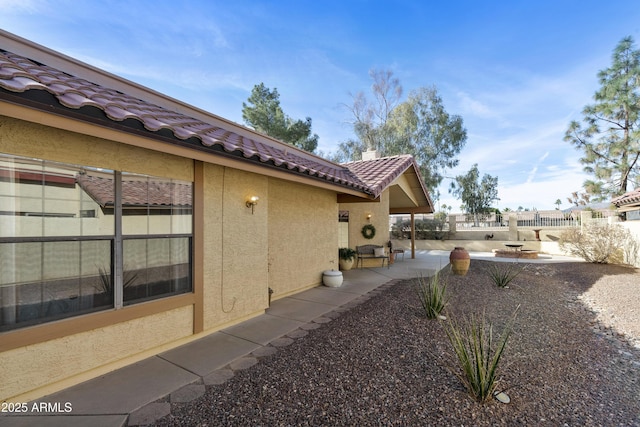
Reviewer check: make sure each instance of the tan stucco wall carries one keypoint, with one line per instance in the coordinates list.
(477, 245)
(235, 260)
(634, 229)
(358, 218)
(28, 368)
(303, 235)
(27, 139)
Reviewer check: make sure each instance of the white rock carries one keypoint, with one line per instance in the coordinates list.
(502, 397)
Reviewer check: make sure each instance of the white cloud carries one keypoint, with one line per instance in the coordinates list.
(474, 107)
(533, 172)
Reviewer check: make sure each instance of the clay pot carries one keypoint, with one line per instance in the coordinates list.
(460, 260)
(346, 264)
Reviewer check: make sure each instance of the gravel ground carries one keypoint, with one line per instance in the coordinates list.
(573, 359)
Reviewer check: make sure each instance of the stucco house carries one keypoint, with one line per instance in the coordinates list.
(629, 204)
(131, 222)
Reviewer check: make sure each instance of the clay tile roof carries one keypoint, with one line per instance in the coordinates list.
(628, 198)
(136, 192)
(379, 173)
(20, 75)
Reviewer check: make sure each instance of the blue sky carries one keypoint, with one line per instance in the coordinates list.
(517, 72)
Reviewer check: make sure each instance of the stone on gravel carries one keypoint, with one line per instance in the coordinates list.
(264, 351)
(218, 377)
(310, 326)
(298, 333)
(281, 342)
(149, 414)
(187, 393)
(243, 363)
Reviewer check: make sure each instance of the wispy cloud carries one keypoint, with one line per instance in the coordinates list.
(474, 107)
(534, 170)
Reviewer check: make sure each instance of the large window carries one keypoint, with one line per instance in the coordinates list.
(75, 239)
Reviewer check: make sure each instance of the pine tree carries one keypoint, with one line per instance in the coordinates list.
(610, 134)
(264, 114)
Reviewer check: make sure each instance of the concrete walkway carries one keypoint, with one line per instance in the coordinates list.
(141, 393)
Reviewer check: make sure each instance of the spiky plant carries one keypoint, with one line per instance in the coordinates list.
(502, 273)
(105, 282)
(432, 293)
(477, 352)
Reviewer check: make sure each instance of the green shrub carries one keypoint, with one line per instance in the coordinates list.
(432, 294)
(594, 242)
(477, 352)
(502, 273)
(346, 254)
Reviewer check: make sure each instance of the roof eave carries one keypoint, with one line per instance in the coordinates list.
(12, 105)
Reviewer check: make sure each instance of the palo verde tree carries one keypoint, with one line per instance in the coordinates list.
(609, 136)
(264, 114)
(419, 126)
(477, 194)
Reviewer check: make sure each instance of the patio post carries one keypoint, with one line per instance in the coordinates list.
(413, 235)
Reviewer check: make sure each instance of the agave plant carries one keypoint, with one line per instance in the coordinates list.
(432, 294)
(502, 273)
(105, 282)
(478, 353)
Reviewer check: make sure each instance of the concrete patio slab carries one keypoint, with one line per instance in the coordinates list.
(263, 329)
(207, 354)
(325, 295)
(125, 390)
(297, 309)
(149, 414)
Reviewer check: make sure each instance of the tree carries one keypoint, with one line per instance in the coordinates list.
(476, 194)
(419, 126)
(610, 137)
(264, 114)
(558, 203)
(579, 199)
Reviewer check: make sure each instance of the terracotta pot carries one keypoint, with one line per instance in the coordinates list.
(460, 260)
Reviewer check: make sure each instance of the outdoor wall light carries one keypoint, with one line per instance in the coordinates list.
(252, 202)
(369, 217)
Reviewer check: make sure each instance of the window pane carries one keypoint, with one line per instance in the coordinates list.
(44, 281)
(152, 205)
(156, 267)
(39, 198)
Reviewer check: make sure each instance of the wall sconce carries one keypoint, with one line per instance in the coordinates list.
(369, 217)
(252, 202)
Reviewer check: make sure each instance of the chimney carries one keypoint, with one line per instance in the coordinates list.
(370, 155)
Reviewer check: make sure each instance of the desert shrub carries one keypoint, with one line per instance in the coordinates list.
(631, 247)
(425, 229)
(477, 352)
(502, 273)
(595, 242)
(432, 293)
